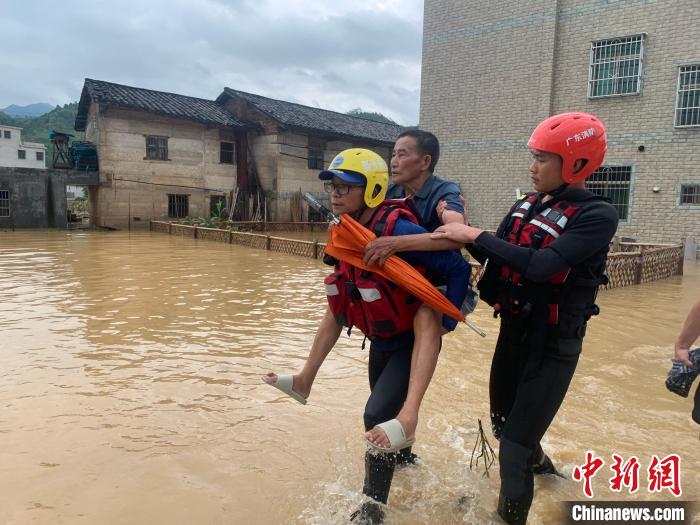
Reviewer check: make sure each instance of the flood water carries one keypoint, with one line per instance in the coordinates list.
(131, 392)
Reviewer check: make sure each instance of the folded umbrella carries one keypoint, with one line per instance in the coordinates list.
(347, 240)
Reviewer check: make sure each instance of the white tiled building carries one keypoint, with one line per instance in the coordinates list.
(16, 153)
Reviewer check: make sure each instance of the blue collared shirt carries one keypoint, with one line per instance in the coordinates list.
(426, 200)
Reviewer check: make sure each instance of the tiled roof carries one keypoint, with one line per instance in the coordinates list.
(297, 116)
(167, 104)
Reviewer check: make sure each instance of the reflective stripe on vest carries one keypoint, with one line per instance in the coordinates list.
(368, 301)
(554, 233)
(551, 223)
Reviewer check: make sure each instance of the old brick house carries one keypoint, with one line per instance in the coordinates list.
(168, 155)
(490, 75)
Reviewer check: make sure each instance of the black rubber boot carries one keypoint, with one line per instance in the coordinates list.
(543, 464)
(517, 483)
(514, 511)
(696, 406)
(406, 458)
(379, 471)
(369, 513)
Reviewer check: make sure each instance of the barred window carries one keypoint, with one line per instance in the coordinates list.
(688, 96)
(4, 203)
(616, 67)
(156, 148)
(217, 205)
(7, 134)
(226, 153)
(39, 155)
(21, 154)
(316, 159)
(178, 206)
(690, 194)
(614, 183)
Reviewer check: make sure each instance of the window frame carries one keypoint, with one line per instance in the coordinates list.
(175, 207)
(7, 134)
(213, 199)
(22, 154)
(677, 110)
(39, 153)
(679, 195)
(223, 152)
(5, 204)
(630, 187)
(315, 159)
(157, 150)
(595, 44)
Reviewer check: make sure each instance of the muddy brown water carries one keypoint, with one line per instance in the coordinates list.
(131, 392)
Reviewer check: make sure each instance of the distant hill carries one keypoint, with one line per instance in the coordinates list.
(370, 115)
(32, 110)
(37, 129)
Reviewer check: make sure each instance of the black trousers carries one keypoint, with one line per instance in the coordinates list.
(530, 374)
(389, 372)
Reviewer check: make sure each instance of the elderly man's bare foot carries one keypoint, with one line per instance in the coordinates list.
(408, 421)
(299, 385)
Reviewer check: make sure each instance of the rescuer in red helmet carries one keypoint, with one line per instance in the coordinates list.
(542, 272)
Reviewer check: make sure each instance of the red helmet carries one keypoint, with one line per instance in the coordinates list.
(572, 136)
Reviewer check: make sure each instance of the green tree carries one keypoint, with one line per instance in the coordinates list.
(36, 129)
(370, 115)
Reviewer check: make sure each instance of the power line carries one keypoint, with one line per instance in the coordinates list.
(172, 185)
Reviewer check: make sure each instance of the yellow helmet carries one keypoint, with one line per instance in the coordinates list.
(358, 165)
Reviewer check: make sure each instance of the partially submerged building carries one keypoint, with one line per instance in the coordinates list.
(165, 155)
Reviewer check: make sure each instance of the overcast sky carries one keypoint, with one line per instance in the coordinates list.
(336, 55)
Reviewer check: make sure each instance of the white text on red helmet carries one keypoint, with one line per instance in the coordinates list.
(590, 132)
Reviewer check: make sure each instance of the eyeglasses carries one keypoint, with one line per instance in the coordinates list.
(340, 189)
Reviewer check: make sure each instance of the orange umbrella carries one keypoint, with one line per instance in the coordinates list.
(347, 240)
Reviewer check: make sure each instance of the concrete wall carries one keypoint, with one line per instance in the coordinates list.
(490, 75)
(38, 196)
(670, 155)
(281, 161)
(481, 97)
(9, 148)
(134, 189)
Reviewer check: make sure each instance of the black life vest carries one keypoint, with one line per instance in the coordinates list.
(508, 290)
(366, 300)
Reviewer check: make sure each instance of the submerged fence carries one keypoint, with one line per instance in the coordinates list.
(633, 263)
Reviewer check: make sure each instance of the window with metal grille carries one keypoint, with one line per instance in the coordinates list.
(156, 148)
(316, 159)
(688, 96)
(217, 205)
(690, 194)
(4, 203)
(616, 67)
(7, 134)
(178, 206)
(226, 153)
(39, 155)
(614, 183)
(21, 154)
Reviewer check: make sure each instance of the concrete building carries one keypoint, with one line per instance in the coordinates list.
(164, 155)
(491, 72)
(14, 152)
(160, 154)
(36, 198)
